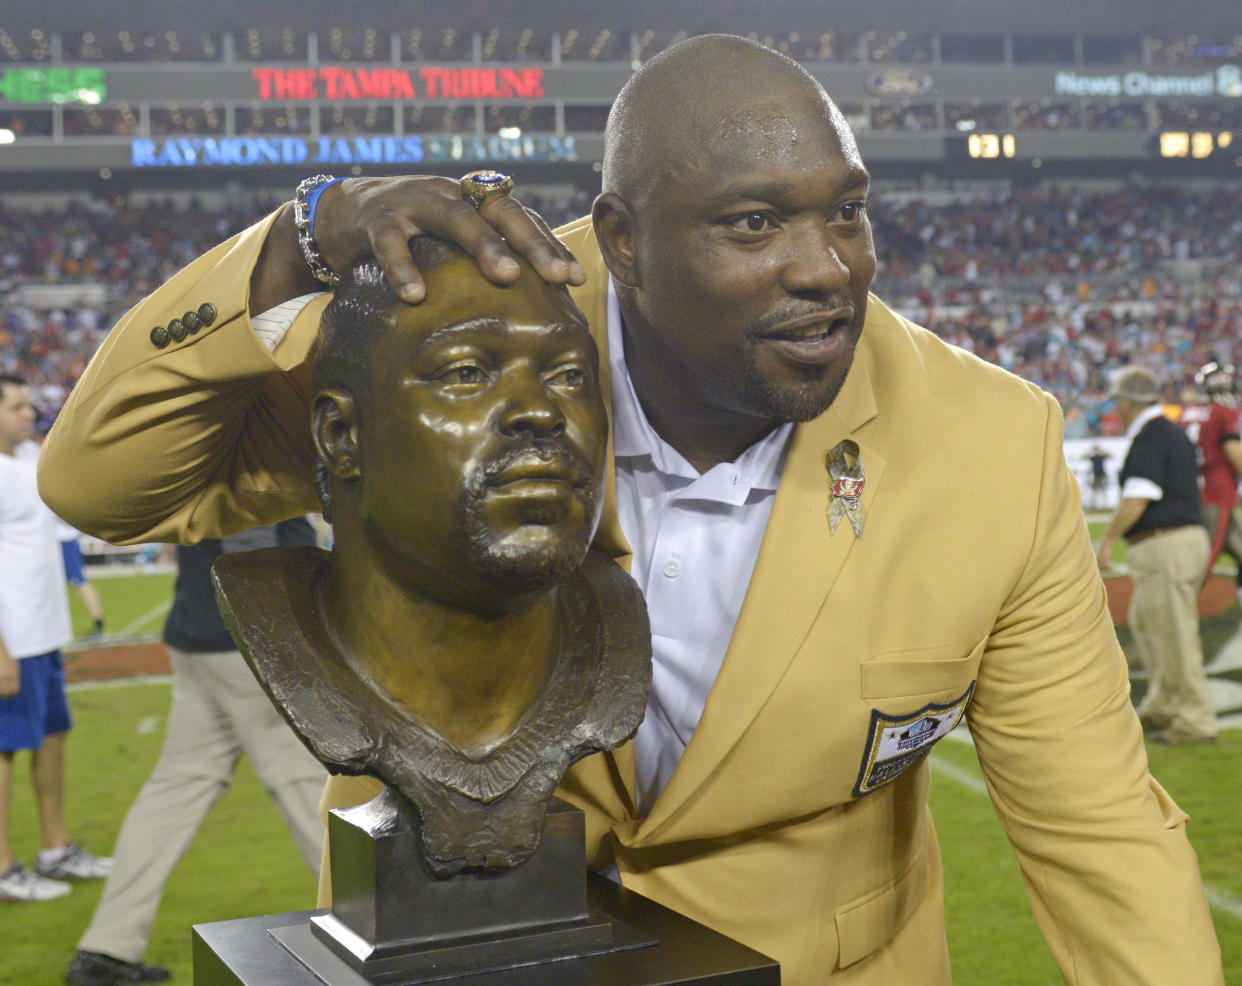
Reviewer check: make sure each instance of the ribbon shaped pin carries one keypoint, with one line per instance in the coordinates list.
(845, 487)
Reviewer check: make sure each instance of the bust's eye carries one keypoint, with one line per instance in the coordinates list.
(570, 376)
(466, 374)
(461, 375)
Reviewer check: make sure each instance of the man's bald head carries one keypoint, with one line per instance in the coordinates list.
(698, 94)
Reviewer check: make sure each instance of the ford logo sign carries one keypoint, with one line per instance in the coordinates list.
(900, 83)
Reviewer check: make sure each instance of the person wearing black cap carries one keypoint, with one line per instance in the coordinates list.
(1160, 519)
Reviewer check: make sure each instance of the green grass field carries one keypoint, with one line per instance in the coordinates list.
(243, 863)
(133, 605)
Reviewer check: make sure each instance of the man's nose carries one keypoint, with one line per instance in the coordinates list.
(814, 264)
(530, 409)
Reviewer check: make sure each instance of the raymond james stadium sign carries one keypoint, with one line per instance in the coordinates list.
(1225, 80)
(190, 152)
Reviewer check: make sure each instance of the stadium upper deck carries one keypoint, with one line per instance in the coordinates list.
(607, 44)
(373, 98)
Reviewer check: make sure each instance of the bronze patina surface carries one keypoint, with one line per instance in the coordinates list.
(458, 641)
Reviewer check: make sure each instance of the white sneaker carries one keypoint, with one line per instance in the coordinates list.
(20, 884)
(75, 863)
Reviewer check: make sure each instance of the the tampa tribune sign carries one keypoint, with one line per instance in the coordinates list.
(1224, 80)
(190, 152)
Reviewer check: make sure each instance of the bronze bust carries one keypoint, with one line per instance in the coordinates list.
(460, 641)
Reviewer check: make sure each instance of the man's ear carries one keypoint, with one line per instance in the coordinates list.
(614, 229)
(334, 427)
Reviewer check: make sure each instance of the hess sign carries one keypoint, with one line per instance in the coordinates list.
(429, 82)
(53, 85)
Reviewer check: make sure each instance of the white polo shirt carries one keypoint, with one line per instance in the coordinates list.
(34, 608)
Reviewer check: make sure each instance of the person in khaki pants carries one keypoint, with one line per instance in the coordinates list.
(219, 712)
(1160, 518)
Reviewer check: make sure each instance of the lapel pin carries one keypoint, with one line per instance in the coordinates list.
(845, 487)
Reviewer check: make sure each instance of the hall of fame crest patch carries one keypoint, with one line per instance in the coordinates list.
(897, 743)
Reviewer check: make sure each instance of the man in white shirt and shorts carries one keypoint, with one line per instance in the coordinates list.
(34, 625)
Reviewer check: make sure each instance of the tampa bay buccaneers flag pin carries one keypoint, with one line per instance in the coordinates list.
(845, 486)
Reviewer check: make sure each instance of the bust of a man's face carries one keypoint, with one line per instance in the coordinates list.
(472, 461)
(460, 641)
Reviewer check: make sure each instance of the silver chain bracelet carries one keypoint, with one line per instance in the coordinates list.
(302, 221)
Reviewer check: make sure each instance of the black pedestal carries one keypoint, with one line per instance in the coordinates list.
(394, 922)
(259, 952)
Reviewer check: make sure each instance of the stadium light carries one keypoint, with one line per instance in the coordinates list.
(1199, 144)
(990, 145)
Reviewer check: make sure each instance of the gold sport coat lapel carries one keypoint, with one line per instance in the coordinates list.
(592, 298)
(614, 769)
(797, 565)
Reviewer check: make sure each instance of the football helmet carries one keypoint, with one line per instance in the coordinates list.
(1215, 379)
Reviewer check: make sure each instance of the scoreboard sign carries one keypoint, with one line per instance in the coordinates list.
(334, 82)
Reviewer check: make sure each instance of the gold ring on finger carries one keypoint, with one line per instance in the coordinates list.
(478, 187)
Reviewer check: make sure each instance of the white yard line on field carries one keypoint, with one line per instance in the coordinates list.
(1222, 900)
(959, 774)
(146, 679)
(154, 613)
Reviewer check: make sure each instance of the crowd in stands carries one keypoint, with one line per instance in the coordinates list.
(1059, 284)
(1063, 285)
(812, 42)
(377, 118)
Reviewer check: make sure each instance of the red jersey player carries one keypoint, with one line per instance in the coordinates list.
(1213, 427)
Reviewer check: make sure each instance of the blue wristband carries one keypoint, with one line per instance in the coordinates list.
(312, 201)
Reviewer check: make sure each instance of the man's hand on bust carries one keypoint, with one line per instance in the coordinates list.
(362, 217)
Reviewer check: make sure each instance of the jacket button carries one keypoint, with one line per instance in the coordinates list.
(176, 329)
(160, 337)
(192, 322)
(207, 312)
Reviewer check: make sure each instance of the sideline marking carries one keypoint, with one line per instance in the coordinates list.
(1224, 901)
(152, 614)
(146, 679)
(1218, 899)
(956, 773)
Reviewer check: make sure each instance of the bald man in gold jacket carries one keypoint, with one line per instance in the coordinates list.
(797, 820)
(973, 579)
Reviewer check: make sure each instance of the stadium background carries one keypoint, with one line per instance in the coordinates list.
(1056, 187)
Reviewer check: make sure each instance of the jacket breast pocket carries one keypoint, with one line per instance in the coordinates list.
(914, 700)
(935, 671)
